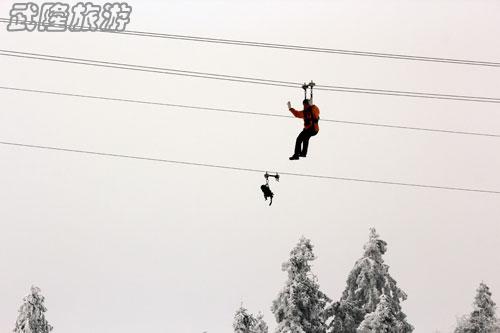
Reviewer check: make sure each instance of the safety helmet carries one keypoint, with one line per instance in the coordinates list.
(306, 102)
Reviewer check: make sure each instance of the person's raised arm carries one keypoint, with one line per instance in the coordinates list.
(298, 114)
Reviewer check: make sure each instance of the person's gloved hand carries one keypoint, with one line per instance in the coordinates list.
(289, 105)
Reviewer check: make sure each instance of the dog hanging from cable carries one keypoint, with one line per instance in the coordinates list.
(266, 189)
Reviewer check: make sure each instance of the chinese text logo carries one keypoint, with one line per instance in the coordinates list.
(57, 16)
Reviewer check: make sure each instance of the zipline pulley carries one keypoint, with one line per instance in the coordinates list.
(307, 86)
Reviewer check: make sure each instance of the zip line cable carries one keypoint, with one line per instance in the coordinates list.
(289, 47)
(217, 166)
(242, 79)
(148, 69)
(145, 102)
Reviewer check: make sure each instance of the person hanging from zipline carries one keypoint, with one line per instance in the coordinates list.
(310, 114)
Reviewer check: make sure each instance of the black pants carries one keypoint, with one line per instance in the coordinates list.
(303, 140)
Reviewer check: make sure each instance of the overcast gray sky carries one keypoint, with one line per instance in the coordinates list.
(127, 246)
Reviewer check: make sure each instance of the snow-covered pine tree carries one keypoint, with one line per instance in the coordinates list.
(260, 325)
(367, 282)
(483, 317)
(243, 321)
(31, 318)
(300, 306)
(383, 320)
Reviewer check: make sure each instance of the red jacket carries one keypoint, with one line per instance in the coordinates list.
(310, 118)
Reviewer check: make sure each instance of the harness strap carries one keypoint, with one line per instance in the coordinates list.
(310, 118)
